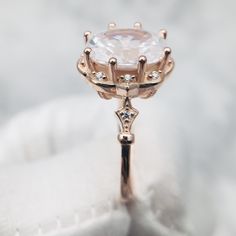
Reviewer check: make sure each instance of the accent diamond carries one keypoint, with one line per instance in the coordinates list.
(127, 114)
(127, 77)
(100, 76)
(154, 75)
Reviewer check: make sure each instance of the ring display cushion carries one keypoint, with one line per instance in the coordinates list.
(59, 177)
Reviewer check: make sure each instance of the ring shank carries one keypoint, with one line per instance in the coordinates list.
(126, 185)
(126, 115)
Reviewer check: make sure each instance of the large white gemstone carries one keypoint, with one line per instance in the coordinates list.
(126, 45)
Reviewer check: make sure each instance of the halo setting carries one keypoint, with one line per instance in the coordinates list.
(124, 64)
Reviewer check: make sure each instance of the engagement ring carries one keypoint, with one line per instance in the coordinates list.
(125, 64)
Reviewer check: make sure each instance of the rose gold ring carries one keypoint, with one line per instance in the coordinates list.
(125, 64)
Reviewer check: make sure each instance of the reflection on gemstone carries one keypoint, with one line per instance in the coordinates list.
(127, 45)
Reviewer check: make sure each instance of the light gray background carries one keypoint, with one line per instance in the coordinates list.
(40, 42)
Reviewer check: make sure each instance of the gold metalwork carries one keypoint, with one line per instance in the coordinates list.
(163, 33)
(126, 84)
(126, 115)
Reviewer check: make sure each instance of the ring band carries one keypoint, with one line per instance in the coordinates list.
(125, 64)
(126, 115)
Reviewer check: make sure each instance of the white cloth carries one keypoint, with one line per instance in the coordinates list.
(60, 170)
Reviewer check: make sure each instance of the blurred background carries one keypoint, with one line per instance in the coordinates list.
(41, 40)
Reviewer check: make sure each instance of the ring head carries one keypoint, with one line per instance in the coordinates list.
(126, 62)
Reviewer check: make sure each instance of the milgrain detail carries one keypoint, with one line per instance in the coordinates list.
(126, 115)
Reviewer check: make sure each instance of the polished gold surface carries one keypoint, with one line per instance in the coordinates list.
(112, 81)
(163, 33)
(87, 35)
(126, 115)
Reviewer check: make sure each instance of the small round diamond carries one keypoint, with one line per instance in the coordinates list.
(100, 76)
(128, 78)
(154, 75)
(127, 115)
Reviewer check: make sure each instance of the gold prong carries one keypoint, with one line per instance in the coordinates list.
(163, 34)
(112, 68)
(87, 35)
(141, 68)
(167, 52)
(138, 25)
(87, 53)
(111, 26)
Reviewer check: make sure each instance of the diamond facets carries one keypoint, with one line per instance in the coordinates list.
(100, 76)
(127, 78)
(127, 114)
(126, 45)
(154, 75)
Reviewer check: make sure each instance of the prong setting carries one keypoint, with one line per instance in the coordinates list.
(88, 62)
(141, 68)
(163, 34)
(112, 68)
(87, 35)
(167, 52)
(140, 78)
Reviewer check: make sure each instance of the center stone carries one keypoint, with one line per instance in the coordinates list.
(126, 45)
